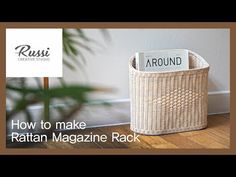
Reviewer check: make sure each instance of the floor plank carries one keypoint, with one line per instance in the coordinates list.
(208, 141)
(182, 141)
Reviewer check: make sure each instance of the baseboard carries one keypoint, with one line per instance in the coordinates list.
(96, 114)
(219, 102)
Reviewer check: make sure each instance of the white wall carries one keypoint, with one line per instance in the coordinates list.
(109, 67)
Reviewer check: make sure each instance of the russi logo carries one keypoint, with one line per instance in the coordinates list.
(28, 53)
(37, 52)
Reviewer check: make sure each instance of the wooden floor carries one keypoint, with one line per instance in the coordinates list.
(216, 136)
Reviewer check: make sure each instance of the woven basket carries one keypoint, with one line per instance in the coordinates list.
(169, 102)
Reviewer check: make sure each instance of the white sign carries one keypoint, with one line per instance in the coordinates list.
(34, 52)
(162, 60)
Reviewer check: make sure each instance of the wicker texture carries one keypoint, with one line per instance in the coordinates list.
(169, 102)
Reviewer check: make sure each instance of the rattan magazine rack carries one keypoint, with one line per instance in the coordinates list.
(169, 102)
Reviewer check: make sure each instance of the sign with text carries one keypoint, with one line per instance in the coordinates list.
(33, 52)
(162, 60)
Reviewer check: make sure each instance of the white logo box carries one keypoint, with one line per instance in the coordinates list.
(34, 52)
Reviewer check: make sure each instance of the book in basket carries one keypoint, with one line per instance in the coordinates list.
(162, 60)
